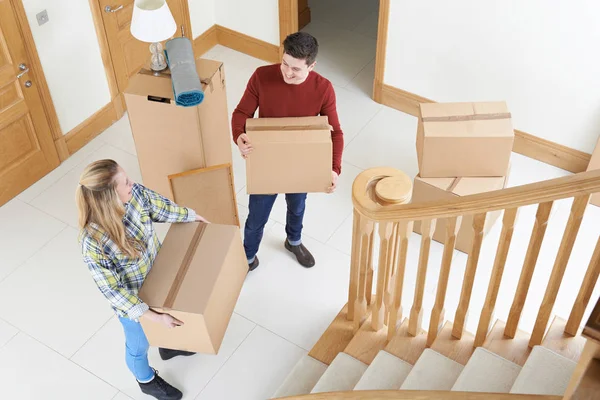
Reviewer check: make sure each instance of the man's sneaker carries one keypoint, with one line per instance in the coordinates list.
(253, 265)
(159, 389)
(167, 354)
(302, 254)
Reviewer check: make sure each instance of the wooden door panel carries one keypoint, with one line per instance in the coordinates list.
(27, 149)
(129, 54)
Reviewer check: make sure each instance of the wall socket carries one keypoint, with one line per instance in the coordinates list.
(42, 17)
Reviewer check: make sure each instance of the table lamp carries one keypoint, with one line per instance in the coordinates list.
(152, 22)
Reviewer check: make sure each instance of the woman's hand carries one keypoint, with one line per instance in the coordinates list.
(200, 218)
(165, 319)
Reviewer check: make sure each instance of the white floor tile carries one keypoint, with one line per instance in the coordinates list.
(393, 134)
(53, 298)
(255, 370)
(7, 332)
(31, 371)
(355, 111)
(363, 82)
(294, 302)
(121, 396)
(104, 356)
(51, 178)
(59, 199)
(368, 26)
(119, 135)
(24, 230)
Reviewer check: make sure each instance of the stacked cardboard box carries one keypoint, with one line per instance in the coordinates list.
(185, 154)
(462, 149)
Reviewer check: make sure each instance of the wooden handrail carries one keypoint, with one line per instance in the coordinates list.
(519, 196)
(418, 395)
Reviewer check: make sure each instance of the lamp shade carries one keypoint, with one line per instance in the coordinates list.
(152, 21)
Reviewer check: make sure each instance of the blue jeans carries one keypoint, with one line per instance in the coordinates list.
(260, 208)
(136, 350)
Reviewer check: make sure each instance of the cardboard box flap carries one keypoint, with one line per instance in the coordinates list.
(443, 112)
(288, 124)
(208, 191)
(466, 186)
(172, 284)
(145, 84)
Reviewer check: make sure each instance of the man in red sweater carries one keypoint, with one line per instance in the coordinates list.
(289, 89)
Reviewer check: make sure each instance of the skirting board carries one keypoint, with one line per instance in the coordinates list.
(526, 144)
(91, 127)
(218, 34)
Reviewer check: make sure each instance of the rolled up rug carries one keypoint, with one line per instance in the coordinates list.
(187, 87)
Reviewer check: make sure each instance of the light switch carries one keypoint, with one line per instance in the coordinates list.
(42, 17)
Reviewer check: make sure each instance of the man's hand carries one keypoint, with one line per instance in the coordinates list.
(334, 179)
(200, 218)
(244, 145)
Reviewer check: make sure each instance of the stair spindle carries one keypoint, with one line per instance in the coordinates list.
(416, 312)
(405, 229)
(535, 244)
(508, 223)
(558, 271)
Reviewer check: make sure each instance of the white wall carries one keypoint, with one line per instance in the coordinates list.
(256, 18)
(71, 60)
(202, 16)
(541, 56)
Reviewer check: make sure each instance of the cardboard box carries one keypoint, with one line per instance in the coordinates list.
(437, 189)
(170, 139)
(291, 155)
(464, 139)
(197, 278)
(595, 164)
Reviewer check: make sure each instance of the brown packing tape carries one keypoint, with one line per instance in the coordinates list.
(288, 128)
(185, 265)
(477, 117)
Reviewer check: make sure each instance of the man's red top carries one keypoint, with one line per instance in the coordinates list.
(274, 98)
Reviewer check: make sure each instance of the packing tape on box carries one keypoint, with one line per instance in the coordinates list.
(476, 117)
(185, 266)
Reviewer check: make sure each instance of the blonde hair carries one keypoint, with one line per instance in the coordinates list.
(98, 202)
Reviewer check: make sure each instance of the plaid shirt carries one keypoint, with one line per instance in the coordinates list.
(118, 276)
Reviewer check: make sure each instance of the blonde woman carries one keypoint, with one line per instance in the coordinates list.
(119, 245)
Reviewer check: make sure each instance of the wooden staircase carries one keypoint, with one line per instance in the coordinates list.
(373, 319)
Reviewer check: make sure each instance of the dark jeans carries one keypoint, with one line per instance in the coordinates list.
(260, 208)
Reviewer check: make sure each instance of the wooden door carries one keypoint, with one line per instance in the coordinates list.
(27, 150)
(129, 54)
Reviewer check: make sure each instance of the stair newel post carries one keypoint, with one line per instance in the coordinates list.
(376, 188)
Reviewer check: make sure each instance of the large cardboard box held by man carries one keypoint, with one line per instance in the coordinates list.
(171, 139)
(464, 139)
(197, 278)
(438, 189)
(290, 155)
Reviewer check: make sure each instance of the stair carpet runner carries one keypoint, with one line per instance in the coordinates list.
(545, 372)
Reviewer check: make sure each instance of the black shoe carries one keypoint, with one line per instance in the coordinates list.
(159, 389)
(302, 254)
(167, 354)
(254, 265)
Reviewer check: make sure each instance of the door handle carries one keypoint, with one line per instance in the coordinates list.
(109, 9)
(26, 70)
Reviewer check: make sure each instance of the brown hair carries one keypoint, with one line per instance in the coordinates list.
(301, 46)
(98, 202)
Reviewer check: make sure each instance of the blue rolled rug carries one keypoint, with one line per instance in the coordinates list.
(187, 87)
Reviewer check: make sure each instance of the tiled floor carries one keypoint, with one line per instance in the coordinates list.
(59, 339)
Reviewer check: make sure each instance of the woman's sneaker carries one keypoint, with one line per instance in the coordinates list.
(160, 389)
